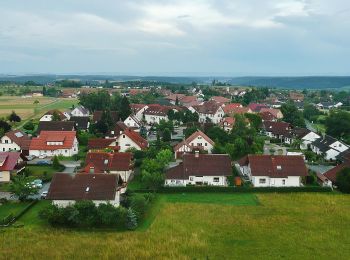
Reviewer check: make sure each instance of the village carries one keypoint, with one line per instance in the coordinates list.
(108, 147)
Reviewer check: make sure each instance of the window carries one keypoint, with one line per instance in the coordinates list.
(206, 144)
(6, 141)
(191, 178)
(216, 179)
(262, 181)
(283, 182)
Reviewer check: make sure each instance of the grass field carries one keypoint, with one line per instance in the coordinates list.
(291, 226)
(39, 170)
(26, 108)
(13, 208)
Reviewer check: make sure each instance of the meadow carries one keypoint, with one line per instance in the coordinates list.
(291, 226)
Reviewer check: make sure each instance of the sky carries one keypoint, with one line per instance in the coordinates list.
(176, 38)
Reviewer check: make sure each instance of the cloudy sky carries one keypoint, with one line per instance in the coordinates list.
(180, 37)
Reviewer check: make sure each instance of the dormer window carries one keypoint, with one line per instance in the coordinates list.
(279, 167)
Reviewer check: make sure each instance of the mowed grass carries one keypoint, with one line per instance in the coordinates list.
(291, 226)
(38, 171)
(11, 208)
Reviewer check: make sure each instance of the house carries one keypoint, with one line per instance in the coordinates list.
(189, 101)
(255, 107)
(138, 110)
(275, 112)
(55, 126)
(220, 100)
(209, 111)
(81, 122)
(273, 170)
(296, 96)
(328, 147)
(229, 108)
(119, 127)
(328, 105)
(112, 163)
(267, 116)
(155, 113)
(133, 122)
(227, 123)
(102, 144)
(80, 111)
(130, 139)
(239, 111)
(331, 175)
(97, 115)
(51, 143)
(11, 163)
(200, 169)
(174, 97)
(306, 136)
(49, 114)
(15, 140)
(197, 141)
(323, 181)
(66, 189)
(279, 130)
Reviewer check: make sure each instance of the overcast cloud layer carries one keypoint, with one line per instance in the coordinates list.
(180, 37)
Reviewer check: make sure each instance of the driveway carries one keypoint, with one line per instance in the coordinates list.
(71, 166)
(279, 150)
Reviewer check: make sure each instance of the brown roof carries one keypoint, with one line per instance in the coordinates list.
(83, 187)
(100, 143)
(40, 143)
(274, 111)
(332, 173)
(203, 165)
(192, 137)
(229, 107)
(174, 96)
(98, 115)
(59, 113)
(20, 138)
(55, 126)
(102, 162)
(220, 99)
(157, 110)
(137, 138)
(136, 107)
(208, 107)
(239, 110)
(8, 160)
(275, 166)
(277, 128)
(267, 116)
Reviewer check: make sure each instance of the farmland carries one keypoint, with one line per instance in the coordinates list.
(293, 226)
(26, 108)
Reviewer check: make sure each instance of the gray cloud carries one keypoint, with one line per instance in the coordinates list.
(254, 37)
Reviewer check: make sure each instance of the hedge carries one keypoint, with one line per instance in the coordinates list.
(237, 189)
(10, 219)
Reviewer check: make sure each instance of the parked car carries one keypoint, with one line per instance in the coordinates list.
(37, 183)
(42, 156)
(43, 162)
(43, 195)
(30, 157)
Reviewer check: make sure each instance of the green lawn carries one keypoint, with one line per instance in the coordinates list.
(12, 207)
(38, 171)
(290, 226)
(30, 219)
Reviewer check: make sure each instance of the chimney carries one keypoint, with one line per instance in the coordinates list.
(196, 154)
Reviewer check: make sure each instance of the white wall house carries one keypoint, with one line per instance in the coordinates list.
(51, 143)
(214, 116)
(65, 203)
(80, 111)
(329, 147)
(209, 169)
(273, 171)
(308, 139)
(7, 144)
(130, 139)
(132, 122)
(152, 119)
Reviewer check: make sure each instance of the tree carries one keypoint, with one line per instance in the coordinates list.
(13, 117)
(125, 109)
(36, 102)
(166, 135)
(56, 116)
(292, 115)
(254, 119)
(4, 126)
(56, 163)
(131, 220)
(311, 112)
(189, 131)
(21, 186)
(338, 124)
(343, 180)
(29, 126)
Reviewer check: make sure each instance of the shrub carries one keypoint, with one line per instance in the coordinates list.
(138, 204)
(131, 220)
(343, 180)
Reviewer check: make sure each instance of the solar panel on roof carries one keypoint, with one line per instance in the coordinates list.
(18, 134)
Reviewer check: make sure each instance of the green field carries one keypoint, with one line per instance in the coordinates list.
(291, 226)
(38, 171)
(11, 208)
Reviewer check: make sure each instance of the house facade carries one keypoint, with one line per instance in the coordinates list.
(65, 189)
(11, 163)
(51, 143)
(80, 111)
(198, 141)
(130, 139)
(200, 169)
(273, 171)
(48, 116)
(328, 147)
(133, 122)
(15, 140)
(209, 111)
(155, 113)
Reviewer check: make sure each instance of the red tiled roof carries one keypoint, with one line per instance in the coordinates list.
(83, 187)
(277, 128)
(208, 107)
(256, 107)
(275, 166)
(137, 138)
(9, 160)
(220, 99)
(157, 110)
(229, 107)
(40, 143)
(267, 116)
(108, 162)
(230, 121)
(203, 165)
(239, 110)
(20, 138)
(136, 107)
(332, 173)
(192, 137)
(174, 96)
(273, 111)
(99, 143)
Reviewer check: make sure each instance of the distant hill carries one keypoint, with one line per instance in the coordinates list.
(312, 82)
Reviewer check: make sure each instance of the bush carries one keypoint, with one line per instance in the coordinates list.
(138, 204)
(131, 220)
(343, 180)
